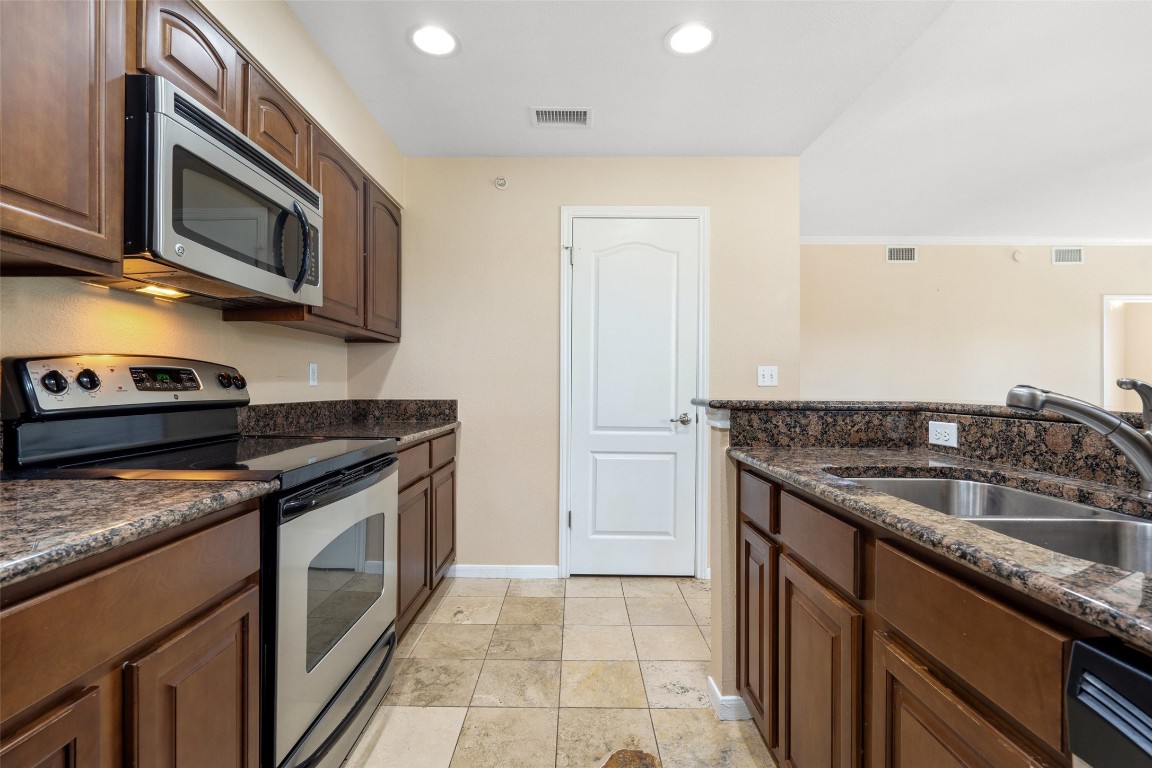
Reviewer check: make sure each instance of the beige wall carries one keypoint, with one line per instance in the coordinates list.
(273, 34)
(53, 315)
(964, 324)
(1137, 359)
(482, 312)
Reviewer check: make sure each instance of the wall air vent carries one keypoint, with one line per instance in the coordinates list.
(901, 254)
(1067, 255)
(559, 117)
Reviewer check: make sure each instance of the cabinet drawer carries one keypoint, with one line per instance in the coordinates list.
(827, 543)
(443, 449)
(1012, 660)
(414, 462)
(758, 502)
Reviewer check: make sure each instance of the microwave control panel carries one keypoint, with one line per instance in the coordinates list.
(78, 382)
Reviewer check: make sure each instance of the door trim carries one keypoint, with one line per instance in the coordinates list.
(567, 214)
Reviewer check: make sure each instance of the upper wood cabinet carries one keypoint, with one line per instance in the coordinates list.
(382, 299)
(278, 125)
(62, 137)
(177, 41)
(342, 185)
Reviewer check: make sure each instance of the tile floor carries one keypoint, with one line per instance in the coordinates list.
(500, 673)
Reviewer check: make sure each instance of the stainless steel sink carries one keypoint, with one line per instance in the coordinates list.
(969, 498)
(1123, 543)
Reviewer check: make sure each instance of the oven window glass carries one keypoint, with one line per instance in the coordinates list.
(344, 580)
(214, 209)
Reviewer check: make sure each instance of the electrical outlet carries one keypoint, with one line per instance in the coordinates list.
(313, 375)
(766, 376)
(944, 433)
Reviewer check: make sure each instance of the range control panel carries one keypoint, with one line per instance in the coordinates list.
(58, 384)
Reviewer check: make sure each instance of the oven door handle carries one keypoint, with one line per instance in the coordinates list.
(306, 235)
(291, 508)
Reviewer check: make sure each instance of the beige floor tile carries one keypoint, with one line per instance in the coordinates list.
(670, 644)
(649, 586)
(467, 610)
(587, 736)
(706, 632)
(404, 649)
(676, 684)
(434, 682)
(505, 683)
(586, 642)
(701, 611)
(366, 582)
(602, 684)
(414, 737)
(691, 738)
(328, 581)
(664, 611)
(536, 588)
(479, 588)
(526, 641)
(593, 586)
(695, 589)
(453, 641)
(595, 610)
(507, 738)
(434, 602)
(532, 610)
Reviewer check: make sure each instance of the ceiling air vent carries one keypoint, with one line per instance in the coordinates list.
(901, 254)
(1067, 255)
(558, 117)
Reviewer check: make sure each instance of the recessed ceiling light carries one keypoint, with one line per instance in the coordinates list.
(689, 38)
(434, 41)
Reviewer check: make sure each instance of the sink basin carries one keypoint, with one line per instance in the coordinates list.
(970, 498)
(1125, 544)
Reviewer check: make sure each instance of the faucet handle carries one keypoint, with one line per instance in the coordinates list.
(1144, 389)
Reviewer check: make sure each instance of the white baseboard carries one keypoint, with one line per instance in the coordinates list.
(727, 707)
(505, 571)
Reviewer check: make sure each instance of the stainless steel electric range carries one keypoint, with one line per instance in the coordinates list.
(328, 558)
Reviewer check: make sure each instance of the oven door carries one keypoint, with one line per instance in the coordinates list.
(222, 217)
(335, 610)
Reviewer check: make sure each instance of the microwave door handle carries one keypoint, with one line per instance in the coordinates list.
(306, 232)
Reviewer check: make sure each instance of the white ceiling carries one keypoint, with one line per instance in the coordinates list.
(912, 119)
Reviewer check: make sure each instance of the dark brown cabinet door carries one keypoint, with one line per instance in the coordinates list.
(919, 721)
(62, 137)
(756, 617)
(194, 700)
(383, 287)
(819, 673)
(342, 185)
(67, 737)
(278, 125)
(412, 557)
(179, 43)
(443, 521)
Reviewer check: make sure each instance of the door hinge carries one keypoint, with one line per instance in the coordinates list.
(569, 518)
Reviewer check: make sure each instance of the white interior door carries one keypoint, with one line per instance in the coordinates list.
(632, 481)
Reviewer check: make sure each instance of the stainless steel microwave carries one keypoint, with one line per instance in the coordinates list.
(209, 213)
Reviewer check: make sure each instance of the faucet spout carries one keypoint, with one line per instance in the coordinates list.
(1136, 446)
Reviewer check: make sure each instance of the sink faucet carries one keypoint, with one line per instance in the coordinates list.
(1134, 444)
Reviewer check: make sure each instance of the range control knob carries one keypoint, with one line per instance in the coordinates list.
(88, 380)
(239, 381)
(225, 379)
(54, 382)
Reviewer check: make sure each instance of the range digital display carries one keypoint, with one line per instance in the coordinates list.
(166, 379)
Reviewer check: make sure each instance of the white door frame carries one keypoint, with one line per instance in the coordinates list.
(567, 214)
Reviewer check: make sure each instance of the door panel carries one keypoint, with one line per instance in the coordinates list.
(757, 566)
(635, 314)
(67, 737)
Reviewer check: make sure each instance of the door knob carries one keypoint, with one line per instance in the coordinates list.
(684, 418)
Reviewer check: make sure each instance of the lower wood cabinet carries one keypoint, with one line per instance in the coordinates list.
(757, 575)
(149, 662)
(427, 529)
(918, 720)
(820, 658)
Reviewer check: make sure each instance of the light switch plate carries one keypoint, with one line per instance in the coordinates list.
(944, 433)
(313, 375)
(766, 376)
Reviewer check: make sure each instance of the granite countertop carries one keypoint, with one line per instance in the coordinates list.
(405, 432)
(45, 524)
(1113, 599)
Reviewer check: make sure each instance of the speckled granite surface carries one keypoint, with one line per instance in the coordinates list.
(405, 432)
(48, 523)
(1117, 601)
(313, 417)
